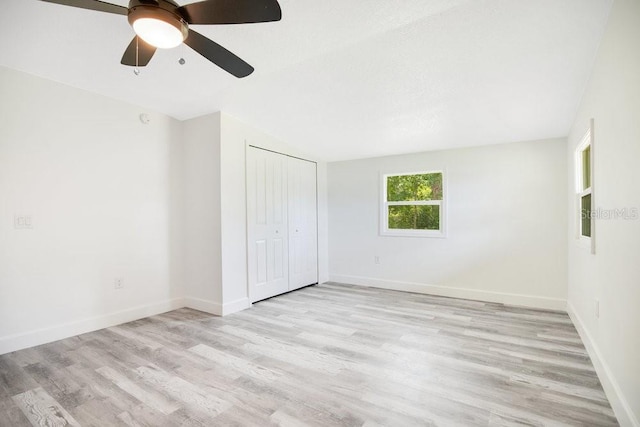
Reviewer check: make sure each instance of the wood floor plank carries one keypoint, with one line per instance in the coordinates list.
(11, 415)
(13, 378)
(146, 396)
(42, 410)
(328, 355)
(128, 420)
(184, 391)
(283, 419)
(237, 363)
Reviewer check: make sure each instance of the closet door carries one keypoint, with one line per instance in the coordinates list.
(303, 223)
(268, 251)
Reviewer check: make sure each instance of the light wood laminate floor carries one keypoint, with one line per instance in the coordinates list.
(328, 355)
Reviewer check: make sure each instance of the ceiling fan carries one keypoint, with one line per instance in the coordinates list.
(164, 24)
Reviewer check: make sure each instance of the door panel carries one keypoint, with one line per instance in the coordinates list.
(278, 259)
(261, 262)
(279, 203)
(266, 224)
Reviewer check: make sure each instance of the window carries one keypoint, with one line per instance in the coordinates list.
(413, 204)
(584, 188)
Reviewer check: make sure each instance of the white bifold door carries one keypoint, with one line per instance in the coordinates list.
(282, 223)
(303, 223)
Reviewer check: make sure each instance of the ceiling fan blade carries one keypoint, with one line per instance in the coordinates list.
(145, 53)
(93, 5)
(218, 55)
(231, 11)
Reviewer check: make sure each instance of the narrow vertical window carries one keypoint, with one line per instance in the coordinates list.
(584, 184)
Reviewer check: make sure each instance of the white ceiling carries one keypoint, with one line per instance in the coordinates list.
(343, 79)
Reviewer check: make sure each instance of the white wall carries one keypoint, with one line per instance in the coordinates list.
(234, 212)
(104, 191)
(323, 223)
(203, 251)
(506, 224)
(612, 275)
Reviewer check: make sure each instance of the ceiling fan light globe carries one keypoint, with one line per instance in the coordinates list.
(158, 33)
(157, 26)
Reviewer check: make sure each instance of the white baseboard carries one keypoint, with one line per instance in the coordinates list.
(49, 334)
(235, 306)
(489, 296)
(211, 307)
(618, 402)
(57, 332)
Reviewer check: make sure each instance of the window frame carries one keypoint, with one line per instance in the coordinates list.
(384, 208)
(585, 143)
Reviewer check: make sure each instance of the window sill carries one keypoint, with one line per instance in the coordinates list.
(433, 234)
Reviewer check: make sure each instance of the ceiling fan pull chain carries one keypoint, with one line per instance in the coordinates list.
(136, 70)
(182, 61)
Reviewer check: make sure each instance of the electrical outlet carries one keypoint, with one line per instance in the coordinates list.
(22, 222)
(597, 307)
(118, 283)
(376, 259)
